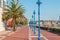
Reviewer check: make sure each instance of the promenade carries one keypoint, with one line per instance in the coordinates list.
(25, 33)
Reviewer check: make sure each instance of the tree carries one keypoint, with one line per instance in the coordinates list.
(13, 10)
(21, 20)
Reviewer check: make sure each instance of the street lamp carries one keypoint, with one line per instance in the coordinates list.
(34, 23)
(30, 25)
(39, 19)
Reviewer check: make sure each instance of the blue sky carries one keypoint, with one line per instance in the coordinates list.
(49, 9)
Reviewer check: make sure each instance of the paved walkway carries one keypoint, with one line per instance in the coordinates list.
(49, 35)
(3, 34)
(26, 33)
(22, 34)
(19, 35)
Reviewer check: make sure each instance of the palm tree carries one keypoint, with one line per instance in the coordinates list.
(13, 10)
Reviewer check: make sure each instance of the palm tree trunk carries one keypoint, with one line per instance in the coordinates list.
(14, 29)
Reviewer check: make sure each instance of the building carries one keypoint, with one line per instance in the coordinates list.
(2, 5)
(49, 23)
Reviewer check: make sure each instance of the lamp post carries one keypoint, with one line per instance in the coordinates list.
(38, 20)
(34, 23)
(30, 25)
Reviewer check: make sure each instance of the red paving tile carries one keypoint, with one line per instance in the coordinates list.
(42, 38)
(23, 34)
(19, 35)
(15, 38)
(49, 35)
(34, 38)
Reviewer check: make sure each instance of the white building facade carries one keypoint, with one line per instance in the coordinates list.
(2, 4)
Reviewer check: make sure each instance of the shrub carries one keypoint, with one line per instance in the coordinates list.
(52, 29)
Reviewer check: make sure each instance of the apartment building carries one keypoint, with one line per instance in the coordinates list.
(49, 23)
(2, 5)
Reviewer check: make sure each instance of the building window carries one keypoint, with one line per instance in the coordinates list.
(0, 2)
